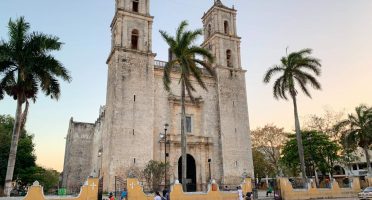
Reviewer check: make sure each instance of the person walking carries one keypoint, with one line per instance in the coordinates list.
(157, 196)
(240, 193)
(123, 195)
(111, 197)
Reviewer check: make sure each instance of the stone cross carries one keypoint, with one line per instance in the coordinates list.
(93, 185)
(132, 185)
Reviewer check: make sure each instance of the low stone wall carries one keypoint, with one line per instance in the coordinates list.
(288, 193)
(88, 192)
(135, 192)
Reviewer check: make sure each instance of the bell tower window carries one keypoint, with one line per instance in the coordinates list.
(228, 58)
(134, 39)
(135, 5)
(209, 30)
(226, 27)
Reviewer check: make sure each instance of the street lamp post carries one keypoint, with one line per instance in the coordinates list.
(100, 159)
(209, 167)
(164, 136)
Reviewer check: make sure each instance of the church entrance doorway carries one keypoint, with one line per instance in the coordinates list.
(190, 173)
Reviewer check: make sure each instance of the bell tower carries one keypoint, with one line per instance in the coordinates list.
(220, 31)
(129, 112)
(223, 42)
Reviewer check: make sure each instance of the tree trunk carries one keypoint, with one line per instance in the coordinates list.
(299, 139)
(183, 137)
(369, 168)
(13, 148)
(24, 116)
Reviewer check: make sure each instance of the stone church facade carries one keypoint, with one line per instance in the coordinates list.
(126, 134)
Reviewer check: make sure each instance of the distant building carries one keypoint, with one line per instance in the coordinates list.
(126, 134)
(356, 168)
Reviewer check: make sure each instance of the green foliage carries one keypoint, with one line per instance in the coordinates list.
(26, 171)
(27, 67)
(185, 61)
(296, 70)
(154, 174)
(358, 127)
(319, 151)
(48, 178)
(26, 63)
(269, 140)
(26, 157)
(358, 131)
(262, 166)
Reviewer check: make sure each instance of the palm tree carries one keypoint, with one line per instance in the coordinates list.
(358, 130)
(25, 66)
(189, 67)
(296, 70)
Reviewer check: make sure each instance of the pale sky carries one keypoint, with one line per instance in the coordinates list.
(339, 31)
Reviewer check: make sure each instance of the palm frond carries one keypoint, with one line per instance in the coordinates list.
(306, 77)
(302, 83)
(167, 74)
(272, 71)
(277, 88)
(197, 74)
(304, 52)
(181, 29)
(41, 43)
(168, 39)
(207, 66)
(198, 51)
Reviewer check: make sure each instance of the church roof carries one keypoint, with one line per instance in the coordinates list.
(219, 4)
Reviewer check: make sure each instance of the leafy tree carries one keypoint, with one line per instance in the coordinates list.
(295, 71)
(188, 66)
(325, 123)
(26, 157)
(320, 152)
(154, 174)
(48, 178)
(359, 130)
(262, 167)
(26, 65)
(269, 141)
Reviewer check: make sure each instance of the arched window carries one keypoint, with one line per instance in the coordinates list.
(209, 30)
(134, 39)
(228, 58)
(135, 5)
(226, 27)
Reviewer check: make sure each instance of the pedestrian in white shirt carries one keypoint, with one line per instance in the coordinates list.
(240, 193)
(157, 196)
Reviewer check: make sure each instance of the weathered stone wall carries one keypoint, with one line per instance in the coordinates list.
(127, 137)
(231, 94)
(77, 163)
(96, 148)
(202, 140)
(235, 132)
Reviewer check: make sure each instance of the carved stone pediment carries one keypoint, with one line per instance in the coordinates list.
(191, 139)
(173, 99)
